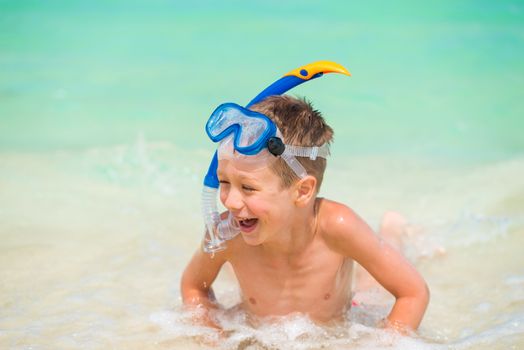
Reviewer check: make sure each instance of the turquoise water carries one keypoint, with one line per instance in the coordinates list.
(443, 78)
(102, 153)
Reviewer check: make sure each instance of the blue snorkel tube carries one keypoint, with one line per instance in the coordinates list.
(217, 230)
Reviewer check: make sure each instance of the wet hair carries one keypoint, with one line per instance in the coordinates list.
(300, 125)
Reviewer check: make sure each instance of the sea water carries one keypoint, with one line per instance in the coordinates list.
(102, 155)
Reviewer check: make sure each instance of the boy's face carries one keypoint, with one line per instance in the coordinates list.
(255, 198)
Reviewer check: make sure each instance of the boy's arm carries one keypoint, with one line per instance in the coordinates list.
(352, 237)
(196, 282)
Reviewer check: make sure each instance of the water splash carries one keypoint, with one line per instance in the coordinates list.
(295, 332)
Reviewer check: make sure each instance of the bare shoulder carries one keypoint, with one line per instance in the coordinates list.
(340, 226)
(335, 218)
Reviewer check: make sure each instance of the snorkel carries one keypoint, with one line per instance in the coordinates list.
(233, 121)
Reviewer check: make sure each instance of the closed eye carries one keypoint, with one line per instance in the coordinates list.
(248, 188)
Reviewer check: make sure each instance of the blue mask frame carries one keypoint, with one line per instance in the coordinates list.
(236, 127)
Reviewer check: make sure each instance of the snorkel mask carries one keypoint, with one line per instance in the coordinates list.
(252, 136)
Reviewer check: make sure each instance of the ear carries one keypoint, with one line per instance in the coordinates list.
(305, 190)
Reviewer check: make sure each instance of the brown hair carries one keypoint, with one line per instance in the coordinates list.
(300, 125)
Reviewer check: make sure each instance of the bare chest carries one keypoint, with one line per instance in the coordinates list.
(318, 285)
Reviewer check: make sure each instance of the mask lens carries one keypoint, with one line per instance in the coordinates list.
(250, 129)
(220, 120)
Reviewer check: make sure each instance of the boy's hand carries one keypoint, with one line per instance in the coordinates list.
(396, 326)
(200, 315)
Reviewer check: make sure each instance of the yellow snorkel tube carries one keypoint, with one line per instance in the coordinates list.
(298, 76)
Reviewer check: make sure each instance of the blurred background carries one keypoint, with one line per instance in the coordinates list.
(102, 154)
(443, 78)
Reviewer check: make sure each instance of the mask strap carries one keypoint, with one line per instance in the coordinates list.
(294, 164)
(291, 152)
(309, 152)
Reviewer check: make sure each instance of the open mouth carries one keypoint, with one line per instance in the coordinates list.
(247, 224)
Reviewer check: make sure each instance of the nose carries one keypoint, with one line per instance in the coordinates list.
(232, 199)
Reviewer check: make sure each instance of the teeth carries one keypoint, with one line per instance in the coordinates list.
(243, 219)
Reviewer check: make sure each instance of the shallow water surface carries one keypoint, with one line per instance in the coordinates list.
(94, 243)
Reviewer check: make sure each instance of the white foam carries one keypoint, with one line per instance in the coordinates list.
(294, 332)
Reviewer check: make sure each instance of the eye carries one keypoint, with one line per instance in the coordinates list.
(223, 182)
(248, 188)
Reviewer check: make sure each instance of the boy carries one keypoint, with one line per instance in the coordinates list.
(295, 251)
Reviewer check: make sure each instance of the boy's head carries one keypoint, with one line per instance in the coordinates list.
(300, 125)
(259, 190)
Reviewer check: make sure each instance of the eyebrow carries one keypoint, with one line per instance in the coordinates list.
(247, 177)
(242, 177)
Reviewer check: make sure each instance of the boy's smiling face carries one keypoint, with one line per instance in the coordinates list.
(256, 199)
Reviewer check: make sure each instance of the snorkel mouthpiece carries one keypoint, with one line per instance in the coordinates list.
(253, 132)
